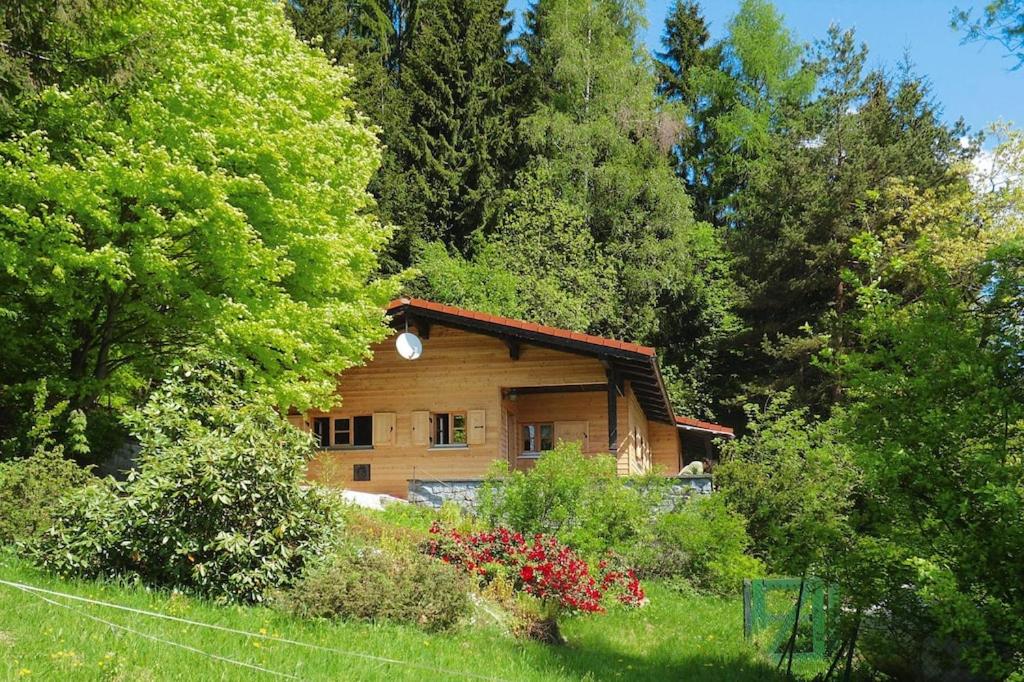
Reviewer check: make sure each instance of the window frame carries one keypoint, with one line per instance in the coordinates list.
(536, 440)
(332, 435)
(323, 439)
(450, 417)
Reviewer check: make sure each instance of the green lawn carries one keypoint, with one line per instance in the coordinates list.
(671, 638)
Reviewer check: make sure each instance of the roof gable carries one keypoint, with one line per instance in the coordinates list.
(622, 360)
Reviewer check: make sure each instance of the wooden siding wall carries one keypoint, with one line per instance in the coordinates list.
(460, 372)
(635, 452)
(665, 448)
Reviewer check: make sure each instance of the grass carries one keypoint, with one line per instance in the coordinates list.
(674, 637)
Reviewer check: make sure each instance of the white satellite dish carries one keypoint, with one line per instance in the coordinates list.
(409, 345)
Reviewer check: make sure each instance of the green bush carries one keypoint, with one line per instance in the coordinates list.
(217, 506)
(30, 485)
(702, 542)
(28, 490)
(579, 499)
(793, 479)
(368, 583)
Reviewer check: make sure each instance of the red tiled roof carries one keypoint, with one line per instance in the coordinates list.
(648, 353)
(704, 426)
(519, 324)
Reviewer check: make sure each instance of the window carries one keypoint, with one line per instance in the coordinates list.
(449, 428)
(322, 431)
(538, 437)
(347, 432)
(343, 431)
(360, 472)
(362, 431)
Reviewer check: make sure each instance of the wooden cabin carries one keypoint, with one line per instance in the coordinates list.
(488, 387)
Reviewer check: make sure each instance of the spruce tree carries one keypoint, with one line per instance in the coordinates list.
(602, 136)
(458, 83)
(789, 146)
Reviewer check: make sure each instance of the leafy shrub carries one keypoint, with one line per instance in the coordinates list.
(29, 486)
(419, 518)
(542, 568)
(28, 489)
(579, 499)
(703, 542)
(217, 505)
(371, 584)
(793, 479)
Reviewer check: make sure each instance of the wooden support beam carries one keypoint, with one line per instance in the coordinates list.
(513, 348)
(613, 416)
(423, 327)
(565, 388)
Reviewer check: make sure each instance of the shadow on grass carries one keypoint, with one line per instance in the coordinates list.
(600, 661)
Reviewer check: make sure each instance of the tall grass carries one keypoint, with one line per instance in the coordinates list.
(675, 637)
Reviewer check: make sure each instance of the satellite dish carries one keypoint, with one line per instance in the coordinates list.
(409, 345)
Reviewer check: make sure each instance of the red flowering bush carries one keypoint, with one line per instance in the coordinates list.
(541, 567)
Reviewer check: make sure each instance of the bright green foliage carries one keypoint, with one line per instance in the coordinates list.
(29, 486)
(217, 505)
(793, 479)
(819, 129)
(215, 202)
(541, 264)
(371, 584)
(579, 499)
(701, 544)
(937, 426)
(371, 38)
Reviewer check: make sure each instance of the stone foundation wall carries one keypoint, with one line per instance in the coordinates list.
(436, 493)
(464, 493)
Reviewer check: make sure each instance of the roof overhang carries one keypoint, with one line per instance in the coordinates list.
(629, 361)
(709, 428)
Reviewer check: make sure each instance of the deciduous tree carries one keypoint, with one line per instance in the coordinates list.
(216, 203)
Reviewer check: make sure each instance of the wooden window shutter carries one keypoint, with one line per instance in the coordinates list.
(383, 428)
(477, 423)
(421, 428)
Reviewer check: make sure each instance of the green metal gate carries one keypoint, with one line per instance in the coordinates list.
(769, 608)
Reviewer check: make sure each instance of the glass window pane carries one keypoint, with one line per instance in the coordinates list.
(441, 433)
(459, 428)
(342, 432)
(547, 436)
(362, 431)
(529, 438)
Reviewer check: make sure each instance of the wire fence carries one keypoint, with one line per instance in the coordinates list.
(41, 593)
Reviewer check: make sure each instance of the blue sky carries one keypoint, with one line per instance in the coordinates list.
(973, 81)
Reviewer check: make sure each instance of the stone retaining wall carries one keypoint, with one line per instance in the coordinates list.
(436, 493)
(464, 492)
